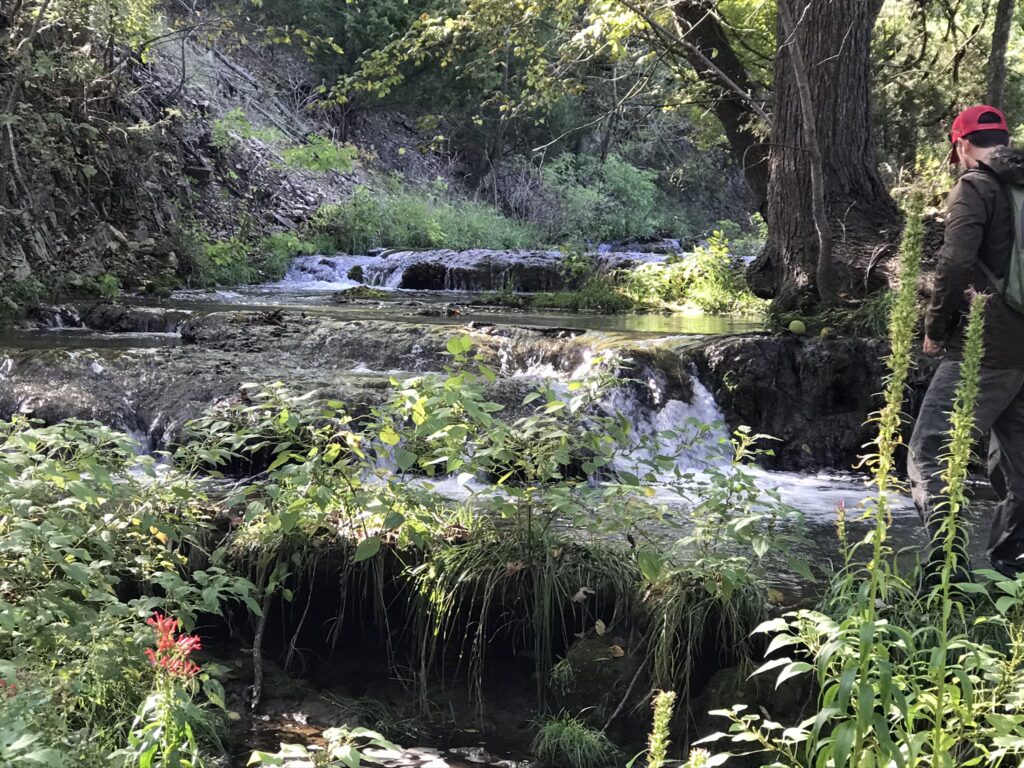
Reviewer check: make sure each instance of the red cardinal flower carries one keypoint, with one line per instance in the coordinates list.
(172, 652)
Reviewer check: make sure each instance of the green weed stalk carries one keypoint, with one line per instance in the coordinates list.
(902, 326)
(658, 741)
(957, 460)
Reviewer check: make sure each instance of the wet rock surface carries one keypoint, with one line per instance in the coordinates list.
(469, 270)
(814, 395)
(152, 392)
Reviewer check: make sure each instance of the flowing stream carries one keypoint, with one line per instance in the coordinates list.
(66, 364)
(147, 364)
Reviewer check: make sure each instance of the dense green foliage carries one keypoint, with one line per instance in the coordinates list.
(94, 538)
(601, 201)
(710, 279)
(411, 219)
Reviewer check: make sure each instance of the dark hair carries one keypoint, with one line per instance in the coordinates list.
(989, 138)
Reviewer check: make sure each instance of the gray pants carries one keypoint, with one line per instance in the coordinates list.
(1000, 410)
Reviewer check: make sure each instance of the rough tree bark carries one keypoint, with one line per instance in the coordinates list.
(834, 37)
(825, 271)
(996, 71)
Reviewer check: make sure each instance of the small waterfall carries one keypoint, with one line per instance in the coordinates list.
(446, 270)
(561, 354)
(692, 434)
(333, 273)
(55, 318)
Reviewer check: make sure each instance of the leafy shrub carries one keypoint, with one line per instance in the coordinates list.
(234, 125)
(320, 153)
(279, 248)
(225, 262)
(599, 201)
(745, 240)
(16, 296)
(601, 294)
(108, 285)
(315, 153)
(710, 278)
(576, 267)
(89, 543)
(237, 261)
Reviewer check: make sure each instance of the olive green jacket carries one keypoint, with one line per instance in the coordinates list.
(979, 225)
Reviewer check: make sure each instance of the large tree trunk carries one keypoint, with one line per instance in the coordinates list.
(709, 52)
(835, 37)
(997, 58)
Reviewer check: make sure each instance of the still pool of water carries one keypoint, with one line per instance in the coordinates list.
(82, 338)
(432, 308)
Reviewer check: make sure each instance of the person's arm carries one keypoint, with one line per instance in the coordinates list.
(966, 218)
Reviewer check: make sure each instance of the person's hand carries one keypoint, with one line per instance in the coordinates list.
(932, 348)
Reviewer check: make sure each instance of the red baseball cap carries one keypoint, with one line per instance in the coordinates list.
(968, 121)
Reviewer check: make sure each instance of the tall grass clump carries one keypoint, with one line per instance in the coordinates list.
(567, 742)
(408, 218)
(520, 585)
(898, 681)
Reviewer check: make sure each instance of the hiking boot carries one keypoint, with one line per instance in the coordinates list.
(1011, 569)
(1008, 559)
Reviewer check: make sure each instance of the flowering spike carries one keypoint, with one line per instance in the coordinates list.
(172, 652)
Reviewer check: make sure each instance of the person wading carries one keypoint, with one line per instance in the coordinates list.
(976, 256)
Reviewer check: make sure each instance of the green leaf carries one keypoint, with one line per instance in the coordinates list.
(388, 436)
(650, 564)
(50, 757)
(794, 669)
(460, 345)
(842, 743)
(367, 548)
(264, 758)
(348, 754)
(404, 459)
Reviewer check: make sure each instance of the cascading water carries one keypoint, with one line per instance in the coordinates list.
(446, 270)
(692, 434)
(333, 273)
